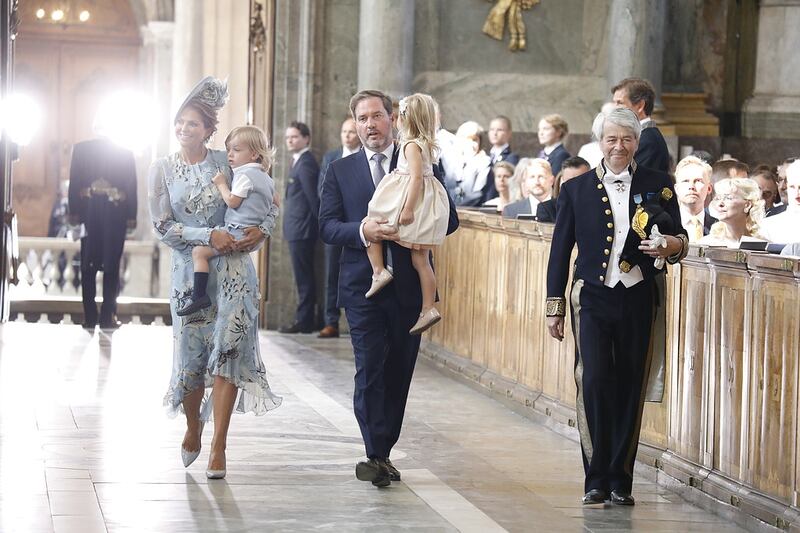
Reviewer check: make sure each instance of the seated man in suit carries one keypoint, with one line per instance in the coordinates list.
(553, 130)
(571, 168)
(639, 96)
(535, 178)
(385, 353)
(499, 137)
(693, 187)
(768, 183)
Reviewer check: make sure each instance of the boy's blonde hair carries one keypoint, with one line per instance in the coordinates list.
(419, 121)
(256, 140)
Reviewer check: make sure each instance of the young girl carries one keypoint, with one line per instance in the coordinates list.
(249, 201)
(415, 202)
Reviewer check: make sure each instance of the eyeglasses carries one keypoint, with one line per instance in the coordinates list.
(725, 198)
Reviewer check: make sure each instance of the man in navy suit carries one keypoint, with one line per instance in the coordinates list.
(385, 353)
(300, 223)
(639, 96)
(613, 298)
(350, 145)
(499, 137)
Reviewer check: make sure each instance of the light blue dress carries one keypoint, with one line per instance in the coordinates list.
(222, 339)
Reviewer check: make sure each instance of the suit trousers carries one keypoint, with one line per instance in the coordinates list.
(332, 255)
(302, 255)
(385, 355)
(111, 256)
(612, 329)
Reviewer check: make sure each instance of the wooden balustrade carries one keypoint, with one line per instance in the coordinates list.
(728, 424)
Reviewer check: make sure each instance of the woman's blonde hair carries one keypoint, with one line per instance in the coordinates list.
(558, 123)
(256, 140)
(418, 112)
(748, 190)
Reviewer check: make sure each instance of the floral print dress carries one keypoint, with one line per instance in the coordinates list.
(221, 340)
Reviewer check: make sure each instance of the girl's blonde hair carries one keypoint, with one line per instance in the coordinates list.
(256, 140)
(748, 190)
(418, 112)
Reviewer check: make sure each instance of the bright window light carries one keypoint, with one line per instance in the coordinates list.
(84, 16)
(20, 116)
(128, 119)
(40, 13)
(57, 15)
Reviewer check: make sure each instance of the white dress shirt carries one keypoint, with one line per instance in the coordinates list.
(619, 201)
(296, 155)
(496, 151)
(386, 163)
(549, 150)
(782, 228)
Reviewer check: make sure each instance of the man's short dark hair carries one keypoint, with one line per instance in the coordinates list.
(704, 156)
(363, 95)
(723, 169)
(504, 119)
(302, 127)
(638, 89)
(575, 161)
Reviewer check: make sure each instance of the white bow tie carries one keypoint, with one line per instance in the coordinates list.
(624, 178)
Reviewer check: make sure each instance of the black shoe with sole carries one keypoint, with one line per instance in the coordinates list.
(195, 306)
(394, 473)
(595, 497)
(296, 328)
(375, 471)
(620, 497)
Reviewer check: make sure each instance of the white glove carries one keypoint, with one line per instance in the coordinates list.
(656, 240)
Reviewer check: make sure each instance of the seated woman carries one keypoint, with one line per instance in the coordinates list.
(466, 187)
(553, 130)
(507, 188)
(739, 208)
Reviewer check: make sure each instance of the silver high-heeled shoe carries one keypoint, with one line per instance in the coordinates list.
(216, 474)
(189, 457)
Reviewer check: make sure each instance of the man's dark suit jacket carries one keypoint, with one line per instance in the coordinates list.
(346, 193)
(708, 221)
(652, 151)
(489, 190)
(520, 207)
(585, 219)
(546, 211)
(302, 200)
(775, 210)
(557, 158)
(327, 159)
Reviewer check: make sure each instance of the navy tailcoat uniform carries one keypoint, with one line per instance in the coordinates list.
(384, 351)
(300, 229)
(332, 253)
(489, 190)
(102, 194)
(612, 326)
(652, 151)
(556, 158)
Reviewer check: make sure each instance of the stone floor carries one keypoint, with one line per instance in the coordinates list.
(85, 446)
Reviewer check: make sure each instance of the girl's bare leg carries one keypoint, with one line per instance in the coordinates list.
(375, 255)
(427, 279)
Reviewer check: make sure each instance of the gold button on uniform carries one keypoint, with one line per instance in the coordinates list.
(606, 251)
(605, 265)
(599, 185)
(608, 211)
(605, 199)
(610, 225)
(609, 239)
(602, 278)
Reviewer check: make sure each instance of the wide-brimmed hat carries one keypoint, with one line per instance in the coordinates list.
(210, 91)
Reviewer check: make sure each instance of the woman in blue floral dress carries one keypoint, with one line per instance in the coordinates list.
(216, 348)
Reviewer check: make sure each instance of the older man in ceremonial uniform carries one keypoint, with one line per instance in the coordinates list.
(616, 296)
(102, 197)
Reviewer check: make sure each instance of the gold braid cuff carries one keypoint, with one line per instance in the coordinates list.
(556, 306)
(683, 251)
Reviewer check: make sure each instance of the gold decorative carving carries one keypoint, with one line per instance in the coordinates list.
(258, 33)
(495, 24)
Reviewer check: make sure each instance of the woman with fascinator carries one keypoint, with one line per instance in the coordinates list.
(216, 348)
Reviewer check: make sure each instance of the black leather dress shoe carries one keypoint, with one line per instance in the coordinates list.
(619, 497)
(394, 474)
(296, 328)
(375, 471)
(594, 497)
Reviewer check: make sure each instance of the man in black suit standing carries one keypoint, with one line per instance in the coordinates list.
(693, 186)
(500, 137)
(300, 223)
(350, 145)
(607, 213)
(639, 96)
(385, 353)
(102, 197)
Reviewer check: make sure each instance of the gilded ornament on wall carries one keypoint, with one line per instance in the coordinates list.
(495, 23)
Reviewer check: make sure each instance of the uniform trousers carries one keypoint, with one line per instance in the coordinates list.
(302, 255)
(612, 329)
(111, 254)
(332, 255)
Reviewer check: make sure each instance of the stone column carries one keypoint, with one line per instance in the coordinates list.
(774, 108)
(187, 57)
(636, 42)
(386, 46)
